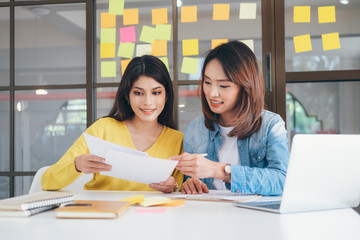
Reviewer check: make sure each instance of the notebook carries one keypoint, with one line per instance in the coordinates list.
(92, 209)
(323, 174)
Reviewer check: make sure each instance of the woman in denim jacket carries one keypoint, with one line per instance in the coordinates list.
(246, 146)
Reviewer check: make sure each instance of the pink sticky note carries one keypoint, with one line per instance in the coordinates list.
(127, 34)
(150, 210)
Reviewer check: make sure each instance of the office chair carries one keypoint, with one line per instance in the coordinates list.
(78, 184)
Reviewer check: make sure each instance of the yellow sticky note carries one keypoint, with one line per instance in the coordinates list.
(301, 14)
(107, 35)
(189, 14)
(217, 42)
(116, 7)
(107, 50)
(134, 199)
(221, 11)
(165, 61)
(159, 48)
(151, 201)
(189, 65)
(190, 47)
(330, 41)
(143, 49)
(108, 20)
(131, 16)
(302, 43)
(148, 34)
(163, 32)
(247, 11)
(326, 14)
(124, 64)
(159, 16)
(108, 69)
(126, 50)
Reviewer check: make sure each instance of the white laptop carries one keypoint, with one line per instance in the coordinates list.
(323, 173)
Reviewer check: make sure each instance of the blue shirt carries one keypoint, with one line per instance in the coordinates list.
(263, 156)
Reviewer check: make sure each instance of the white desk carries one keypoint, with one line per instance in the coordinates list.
(193, 220)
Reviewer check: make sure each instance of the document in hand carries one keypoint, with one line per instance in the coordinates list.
(92, 209)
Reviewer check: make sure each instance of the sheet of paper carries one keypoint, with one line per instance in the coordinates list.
(138, 168)
(99, 147)
(217, 195)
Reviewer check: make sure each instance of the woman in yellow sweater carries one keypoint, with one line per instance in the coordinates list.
(141, 118)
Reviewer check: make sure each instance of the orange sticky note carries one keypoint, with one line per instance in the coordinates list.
(326, 14)
(217, 42)
(108, 20)
(159, 48)
(330, 41)
(302, 43)
(190, 47)
(221, 11)
(301, 14)
(131, 16)
(189, 14)
(124, 64)
(159, 16)
(107, 50)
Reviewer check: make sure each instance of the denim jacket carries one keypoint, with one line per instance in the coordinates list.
(263, 156)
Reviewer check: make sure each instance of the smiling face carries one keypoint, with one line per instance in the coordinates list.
(221, 94)
(147, 99)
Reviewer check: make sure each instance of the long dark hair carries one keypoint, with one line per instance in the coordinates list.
(241, 67)
(152, 67)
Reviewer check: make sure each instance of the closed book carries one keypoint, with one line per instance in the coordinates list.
(26, 213)
(40, 199)
(92, 209)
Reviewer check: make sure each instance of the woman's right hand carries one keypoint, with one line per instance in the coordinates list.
(88, 163)
(194, 186)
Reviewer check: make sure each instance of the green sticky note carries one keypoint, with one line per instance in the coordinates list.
(163, 31)
(148, 34)
(165, 61)
(126, 50)
(107, 35)
(189, 65)
(116, 7)
(108, 69)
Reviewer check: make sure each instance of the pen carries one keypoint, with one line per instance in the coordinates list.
(203, 154)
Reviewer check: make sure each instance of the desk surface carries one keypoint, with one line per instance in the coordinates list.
(193, 220)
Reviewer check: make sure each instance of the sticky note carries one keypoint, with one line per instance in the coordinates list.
(107, 35)
(124, 64)
(127, 34)
(107, 50)
(108, 20)
(301, 14)
(165, 61)
(221, 11)
(189, 65)
(131, 16)
(247, 11)
(148, 34)
(159, 48)
(159, 16)
(116, 7)
(189, 14)
(150, 210)
(190, 47)
(143, 49)
(134, 199)
(126, 50)
(302, 43)
(217, 42)
(249, 43)
(326, 14)
(330, 41)
(163, 32)
(108, 69)
(151, 201)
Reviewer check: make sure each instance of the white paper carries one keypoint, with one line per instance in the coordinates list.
(142, 169)
(99, 147)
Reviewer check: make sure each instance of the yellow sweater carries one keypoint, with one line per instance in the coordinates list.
(63, 173)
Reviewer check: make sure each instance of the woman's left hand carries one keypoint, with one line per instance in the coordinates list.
(167, 186)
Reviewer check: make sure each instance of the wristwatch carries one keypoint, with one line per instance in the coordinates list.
(227, 173)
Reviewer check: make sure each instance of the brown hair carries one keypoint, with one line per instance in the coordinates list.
(241, 67)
